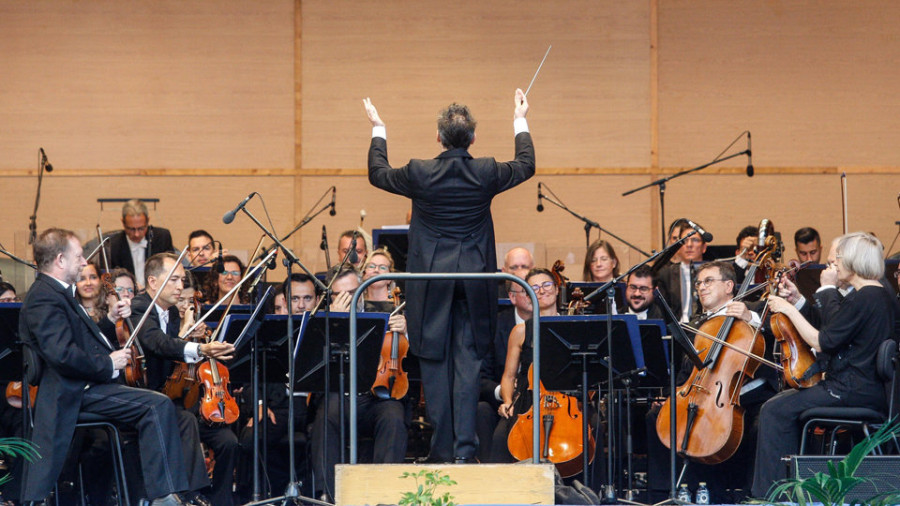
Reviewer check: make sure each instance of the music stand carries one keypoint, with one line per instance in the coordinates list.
(656, 353)
(309, 358)
(573, 349)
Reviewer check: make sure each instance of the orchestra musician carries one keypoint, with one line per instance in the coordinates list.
(385, 420)
(87, 292)
(851, 337)
(639, 297)
(80, 367)
(601, 264)
(218, 284)
(451, 230)
(676, 280)
(138, 241)
(160, 341)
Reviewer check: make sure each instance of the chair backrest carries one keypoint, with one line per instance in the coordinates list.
(887, 366)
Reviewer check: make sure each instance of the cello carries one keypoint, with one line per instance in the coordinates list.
(561, 440)
(391, 380)
(709, 417)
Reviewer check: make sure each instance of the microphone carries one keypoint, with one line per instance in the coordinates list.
(749, 156)
(219, 264)
(707, 237)
(332, 212)
(47, 166)
(324, 244)
(352, 255)
(540, 206)
(229, 216)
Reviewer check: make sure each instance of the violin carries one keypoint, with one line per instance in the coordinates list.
(709, 417)
(136, 369)
(182, 383)
(391, 380)
(561, 437)
(14, 394)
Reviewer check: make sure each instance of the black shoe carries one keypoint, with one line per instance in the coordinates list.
(464, 460)
(195, 499)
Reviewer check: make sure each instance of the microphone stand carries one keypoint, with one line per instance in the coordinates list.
(310, 215)
(588, 224)
(292, 493)
(17, 259)
(661, 183)
(609, 289)
(32, 225)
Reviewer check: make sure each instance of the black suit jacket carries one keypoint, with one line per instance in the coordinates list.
(160, 347)
(74, 355)
(451, 231)
(669, 281)
(159, 240)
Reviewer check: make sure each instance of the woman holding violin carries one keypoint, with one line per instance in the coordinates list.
(851, 337)
(87, 292)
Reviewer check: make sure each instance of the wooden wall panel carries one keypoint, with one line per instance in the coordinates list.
(590, 103)
(815, 82)
(147, 84)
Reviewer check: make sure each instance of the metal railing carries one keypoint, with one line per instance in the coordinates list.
(536, 342)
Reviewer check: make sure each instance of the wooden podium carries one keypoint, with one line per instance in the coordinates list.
(362, 484)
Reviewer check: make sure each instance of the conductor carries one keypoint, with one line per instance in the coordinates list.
(452, 323)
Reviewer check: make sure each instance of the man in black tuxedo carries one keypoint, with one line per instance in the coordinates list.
(163, 348)
(79, 372)
(452, 324)
(639, 299)
(138, 240)
(676, 280)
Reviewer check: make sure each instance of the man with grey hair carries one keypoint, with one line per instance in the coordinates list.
(80, 367)
(138, 241)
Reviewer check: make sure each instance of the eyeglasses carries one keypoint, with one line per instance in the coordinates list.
(236, 274)
(136, 229)
(121, 289)
(382, 268)
(706, 282)
(642, 289)
(546, 285)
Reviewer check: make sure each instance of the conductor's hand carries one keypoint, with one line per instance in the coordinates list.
(521, 105)
(218, 350)
(372, 113)
(120, 358)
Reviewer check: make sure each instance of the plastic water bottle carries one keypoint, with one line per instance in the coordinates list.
(702, 493)
(684, 494)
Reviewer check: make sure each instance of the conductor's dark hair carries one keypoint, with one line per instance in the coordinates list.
(456, 127)
(805, 235)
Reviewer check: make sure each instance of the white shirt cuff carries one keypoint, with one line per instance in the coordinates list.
(519, 125)
(497, 394)
(191, 353)
(800, 303)
(825, 287)
(115, 371)
(379, 131)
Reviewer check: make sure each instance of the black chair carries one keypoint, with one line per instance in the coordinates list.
(93, 421)
(865, 420)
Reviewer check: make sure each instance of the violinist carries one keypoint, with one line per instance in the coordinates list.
(87, 292)
(378, 295)
(123, 283)
(383, 419)
(217, 285)
(80, 367)
(851, 337)
(160, 340)
(728, 481)
(514, 383)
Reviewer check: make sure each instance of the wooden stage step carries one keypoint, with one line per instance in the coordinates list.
(525, 483)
